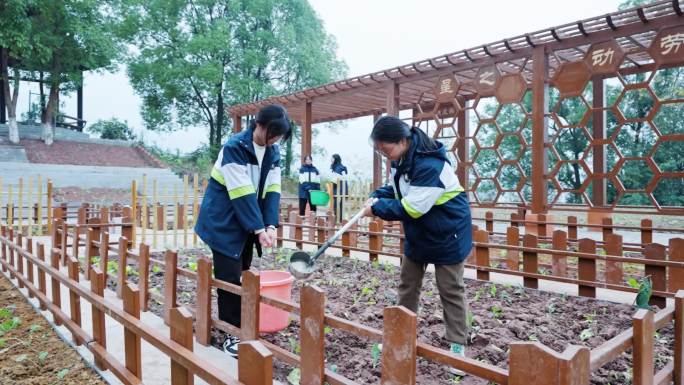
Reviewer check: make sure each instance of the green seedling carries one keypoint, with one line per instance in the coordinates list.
(130, 270)
(644, 290)
(375, 281)
(192, 266)
(42, 356)
(34, 328)
(586, 334)
(429, 293)
(497, 312)
(375, 354)
(294, 376)
(112, 267)
(551, 307)
(367, 291)
(6, 312)
(10, 324)
(492, 291)
(294, 345)
(505, 297)
(478, 294)
(327, 330)
(375, 264)
(470, 320)
(590, 318)
(156, 269)
(389, 268)
(533, 337)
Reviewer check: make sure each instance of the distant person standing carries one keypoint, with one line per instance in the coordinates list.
(309, 179)
(339, 181)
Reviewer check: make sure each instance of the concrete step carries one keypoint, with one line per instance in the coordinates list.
(11, 153)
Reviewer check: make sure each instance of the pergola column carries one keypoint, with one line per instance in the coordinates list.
(377, 161)
(462, 150)
(539, 109)
(598, 191)
(237, 123)
(306, 131)
(392, 110)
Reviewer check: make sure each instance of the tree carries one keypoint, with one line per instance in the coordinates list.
(112, 129)
(69, 37)
(14, 34)
(194, 58)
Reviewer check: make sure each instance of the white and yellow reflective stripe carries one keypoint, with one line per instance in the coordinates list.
(272, 188)
(216, 174)
(448, 196)
(413, 213)
(241, 191)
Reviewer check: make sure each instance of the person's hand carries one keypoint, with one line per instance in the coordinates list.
(265, 239)
(368, 208)
(272, 234)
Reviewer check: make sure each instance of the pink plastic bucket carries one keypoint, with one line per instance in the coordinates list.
(277, 284)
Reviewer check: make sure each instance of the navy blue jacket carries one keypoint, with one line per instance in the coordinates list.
(309, 179)
(339, 177)
(240, 197)
(426, 196)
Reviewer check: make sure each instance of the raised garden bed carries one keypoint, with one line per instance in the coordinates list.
(30, 351)
(499, 314)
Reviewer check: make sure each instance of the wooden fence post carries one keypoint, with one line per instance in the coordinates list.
(144, 274)
(255, 366)
(320, 232)
(658, 274)
(346, 241)
(642, 347)
(181, 332)
(128, 225)
(607, 228)
(514, 220)
(42, 284)
(99, 330)
(398, 335)
(103, 252)
(123, 264)
(530, 261)
(312, 319)
(204, 267)
(586, 267)
(65, 237)
(489, 222)
(11, 249)
(279, 236)
(373, 240)
(482, 254)
(170, 282)
(20, 257)
(572, 228)
(74, 298)
(613, 246)
(646, 231)
(29, 264)
(249, 304)
(56, 287)
(3, 246)
(131, 305)
(559, 262)
(298, 231)
(541, 226)
(675, 279)
(513, 256)
(678, 375)
(531, 363)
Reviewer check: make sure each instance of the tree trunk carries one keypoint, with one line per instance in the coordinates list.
(288, 155)
(53, 102)
(10, 99)
(220, 115)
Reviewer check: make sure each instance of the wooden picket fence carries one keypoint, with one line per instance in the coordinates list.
(31, 271)
(27, 205)
(528, 361)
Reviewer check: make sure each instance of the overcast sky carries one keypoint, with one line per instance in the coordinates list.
(371, 35)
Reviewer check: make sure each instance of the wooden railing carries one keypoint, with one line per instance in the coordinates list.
(570, 367)
(255, 366)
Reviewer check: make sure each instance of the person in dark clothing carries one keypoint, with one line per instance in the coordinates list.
(339, 181)
(309, 179)
(426, 196)
(241, 204)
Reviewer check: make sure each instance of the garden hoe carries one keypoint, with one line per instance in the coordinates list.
(302, 264)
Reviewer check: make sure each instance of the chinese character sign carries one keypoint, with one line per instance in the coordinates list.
(668, 46)
(446, 89)
(604, 58)
(486, 79)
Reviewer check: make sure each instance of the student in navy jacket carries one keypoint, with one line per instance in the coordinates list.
(240, 207)
(426, 196)
(339, 181)
(309, 179)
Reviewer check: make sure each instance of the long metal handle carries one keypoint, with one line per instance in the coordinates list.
(338, 234)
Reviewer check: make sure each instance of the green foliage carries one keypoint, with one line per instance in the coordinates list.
(376, 352)
(112, 267)
(62, 373)
(645, 287)
(199, 161)
(294, 376)
(194, 58)
(492, 290)
(112, 129)
(496, 311)
(586, 334)
(156, 269)
(192, 266)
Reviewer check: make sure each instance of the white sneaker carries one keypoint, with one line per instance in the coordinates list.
(230, 346)
(458, 350)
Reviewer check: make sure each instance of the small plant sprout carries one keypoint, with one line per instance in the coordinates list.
(192, 266)
(130, 270)
(497, 312)
(492, 290)
(533, 337)
(376, 351)
(478, 294)
(327, 330)
(375, 264)
(470, 320)
(156, 269)
(112, 267)
(586, 334)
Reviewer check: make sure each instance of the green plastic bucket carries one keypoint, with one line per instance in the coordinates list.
(319, 198)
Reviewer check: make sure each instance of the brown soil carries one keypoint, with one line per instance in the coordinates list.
(101, 196)
(501, 314)
(31, 353)
(86, 154)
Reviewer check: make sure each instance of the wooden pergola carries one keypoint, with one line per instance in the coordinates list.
(566, 57)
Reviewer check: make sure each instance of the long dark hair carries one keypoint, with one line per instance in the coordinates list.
(275, 120)
(305, 158)
(390, 129)
(337, 160)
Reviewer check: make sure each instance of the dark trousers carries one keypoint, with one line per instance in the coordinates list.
(230, 270)
(302, 206)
